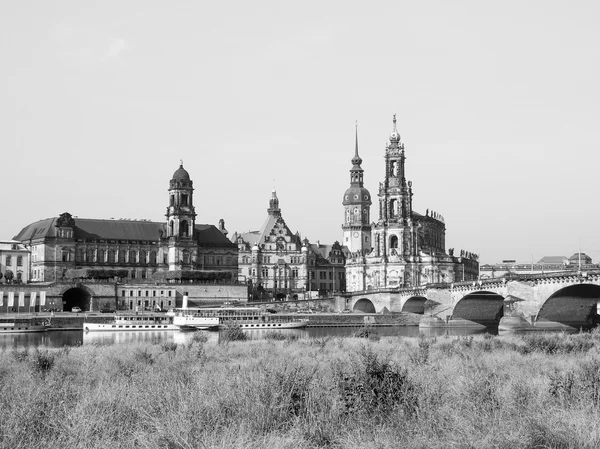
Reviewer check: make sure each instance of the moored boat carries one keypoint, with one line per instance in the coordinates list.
(15, 326)
(244, 317)
(133, 323)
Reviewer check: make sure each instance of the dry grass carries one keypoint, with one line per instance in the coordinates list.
(538, 391)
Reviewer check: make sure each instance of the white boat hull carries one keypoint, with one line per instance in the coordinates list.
(130, 324)
(267, 325)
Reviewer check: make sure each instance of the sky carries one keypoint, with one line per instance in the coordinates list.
(498, 106)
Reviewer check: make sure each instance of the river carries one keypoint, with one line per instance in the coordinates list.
(57, 339)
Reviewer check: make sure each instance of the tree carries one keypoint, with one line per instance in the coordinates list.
(8, 275)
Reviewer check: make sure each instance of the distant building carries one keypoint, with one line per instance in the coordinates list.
(277, 263)
(14, 262)
(402, 248)
(140, 247)
(547, 264)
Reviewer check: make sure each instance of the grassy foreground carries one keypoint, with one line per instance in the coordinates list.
(539, 391)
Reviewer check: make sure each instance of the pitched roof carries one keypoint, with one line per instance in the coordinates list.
(553, 259)
(94, 229)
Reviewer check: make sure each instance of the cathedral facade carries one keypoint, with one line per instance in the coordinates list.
(402, 248)
(139, 247)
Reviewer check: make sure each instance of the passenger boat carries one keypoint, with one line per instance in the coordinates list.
(133, 323)
(244, 317)
(15, 326)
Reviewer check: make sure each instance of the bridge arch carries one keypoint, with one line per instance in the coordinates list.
(483, 307)
(364, 305)
(415, 304)
(575, 305)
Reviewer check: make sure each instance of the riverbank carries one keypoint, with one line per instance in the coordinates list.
(528, 391)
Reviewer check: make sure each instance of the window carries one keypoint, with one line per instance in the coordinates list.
(122, 292)
(90, 255)
(265, 273)
(170, 291)
(8, 261)
(132, 256)
(142, 256)
(100, 256)
(153, 257)
(111, 256)
(132, 274)
(121, 256)
(19, 261)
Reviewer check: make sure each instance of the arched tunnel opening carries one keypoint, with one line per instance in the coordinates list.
(481, 307)
(364, 305)
(575, 305)
(76, 297)
(415, 304)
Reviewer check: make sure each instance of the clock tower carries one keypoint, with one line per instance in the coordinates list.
(357, 205)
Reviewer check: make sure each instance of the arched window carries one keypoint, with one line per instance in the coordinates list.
(132, 256)
(186, 257)
(111, 256)
(171, 227)
(90, 255)
(172, 200)
(393, 206)
(121, 256)
(100, 256)
(143, 256)
(183, 229)
(393, 242)
(152, 257)
(79, 255)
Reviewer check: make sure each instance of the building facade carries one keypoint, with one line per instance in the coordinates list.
(402, 248)
(140, 247)
(278, 264)
(14, 262)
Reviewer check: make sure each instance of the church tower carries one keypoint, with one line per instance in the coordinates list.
(395, 232)
(181, 221)
(357, 204)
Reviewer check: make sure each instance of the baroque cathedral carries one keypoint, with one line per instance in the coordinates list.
(402, 248)
(139, 247)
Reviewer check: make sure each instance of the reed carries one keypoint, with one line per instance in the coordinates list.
(517, 392)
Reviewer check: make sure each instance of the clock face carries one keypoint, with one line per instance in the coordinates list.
(356, 234)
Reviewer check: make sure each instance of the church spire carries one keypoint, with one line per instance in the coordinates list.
(356, 173)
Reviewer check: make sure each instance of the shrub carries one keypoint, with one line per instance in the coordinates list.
(275, 336)
(199, 337)
(367, 332)
(376, 387)
(233, 332)
(43, 361)
(169, 346)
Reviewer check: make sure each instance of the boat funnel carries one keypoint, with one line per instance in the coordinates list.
(184, 305)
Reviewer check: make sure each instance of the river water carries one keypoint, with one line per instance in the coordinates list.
(57, 339)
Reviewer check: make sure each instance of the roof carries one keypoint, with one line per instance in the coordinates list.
(96, 229)
(553, 259)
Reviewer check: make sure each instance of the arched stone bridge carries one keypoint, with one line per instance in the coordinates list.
(570, 298)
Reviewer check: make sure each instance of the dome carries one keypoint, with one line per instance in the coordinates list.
(394, 135)
(181, 174)
(356, 195)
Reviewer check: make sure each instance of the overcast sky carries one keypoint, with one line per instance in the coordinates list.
(498, 105)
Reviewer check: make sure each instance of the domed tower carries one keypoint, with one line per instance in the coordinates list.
(357, 204)
(181, 220)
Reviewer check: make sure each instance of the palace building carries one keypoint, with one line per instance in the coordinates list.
(277, 263)
(140, 247)
(402, 248)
